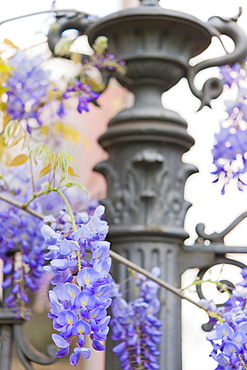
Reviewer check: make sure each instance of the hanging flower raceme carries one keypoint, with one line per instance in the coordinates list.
(136, 326)
(26, 88)
(230, 156)
(84, 95)
(20, 231)
(229, 336)
(30, 93)
(22, 244)
(229, 152)
(80, 264)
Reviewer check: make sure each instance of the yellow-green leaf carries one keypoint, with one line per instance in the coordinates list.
(10, 43)
(4, 67)
(37, 149)
(3, 90)
(70, 184)
(71, 172)
(18, 160)
(48, 155)
(63, 162)
(62, 47)
(100, 44)
(44, 171)
(10, 128)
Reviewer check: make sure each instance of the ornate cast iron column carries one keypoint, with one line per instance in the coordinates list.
(144, 172)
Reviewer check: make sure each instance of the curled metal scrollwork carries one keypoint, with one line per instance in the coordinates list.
(27, 353)
(213, 87)
(80, 22)
(65, 21)
(229, 284)
(11, 332)
(219, 237)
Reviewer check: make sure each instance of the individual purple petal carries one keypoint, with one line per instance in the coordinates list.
(60, 341)
(85, 299)
(63, 352)
(87, 276)
(84, 351)
(74, 358)
(82, 327)
(97, 345)
(67, 246)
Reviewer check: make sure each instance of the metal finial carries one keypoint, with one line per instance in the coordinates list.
(149, 2)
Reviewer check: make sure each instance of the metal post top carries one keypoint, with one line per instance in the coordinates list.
(149, 2)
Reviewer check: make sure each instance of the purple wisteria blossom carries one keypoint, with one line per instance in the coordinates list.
(27, 87)
(229, 151)
(109, 62)
(22, 244)
(80, 264)
(136, 326)
(84, 95)
(29, 92)
(229, 335)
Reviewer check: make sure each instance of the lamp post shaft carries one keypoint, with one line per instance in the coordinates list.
(145, 175)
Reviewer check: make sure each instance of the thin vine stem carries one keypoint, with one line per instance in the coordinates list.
(220, 285)
(117, 257)
(43, 12)
(22, 206)
(68, 208)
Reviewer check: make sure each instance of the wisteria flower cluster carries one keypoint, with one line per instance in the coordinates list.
(30, 92)
(84, 95)
(136, 326)
(229, 151)
(27, 87)
(104, 60)
(80, 265)
(20, 236)
(22, 244)
(229, 336)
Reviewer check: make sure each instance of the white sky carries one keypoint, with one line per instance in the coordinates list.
(209, 207)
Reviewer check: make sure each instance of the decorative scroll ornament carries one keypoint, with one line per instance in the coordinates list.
(65, 21)
(213, 87)
(220, 259)
(227, 283)
(11, 332)
(219, 237)
(145, 185)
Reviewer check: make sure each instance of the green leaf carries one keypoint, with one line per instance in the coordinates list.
(37, 149)
(10, 128)
(62, 47)
(47, 155)
(63, 162)
(100, 44)
(18, 160)
(83, 188)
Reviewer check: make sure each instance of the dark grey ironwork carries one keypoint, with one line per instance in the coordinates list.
(11, 334)
(145, 174)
